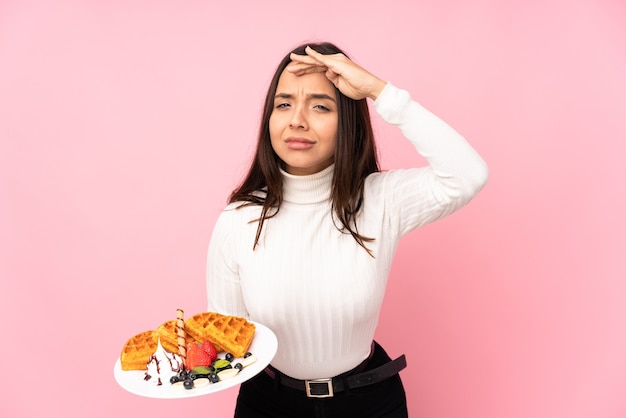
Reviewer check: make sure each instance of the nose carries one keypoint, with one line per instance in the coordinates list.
(298, 118)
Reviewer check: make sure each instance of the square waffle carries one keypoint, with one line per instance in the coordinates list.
(231, 334)
(137, 351)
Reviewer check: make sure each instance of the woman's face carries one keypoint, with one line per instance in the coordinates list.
(303, 124)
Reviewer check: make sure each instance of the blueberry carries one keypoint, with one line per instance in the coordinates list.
(239, 366)
(174, 379)
(229, 357)
(213, 378)
(188, 384)
(248, 354)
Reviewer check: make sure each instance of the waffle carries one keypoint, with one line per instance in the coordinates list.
(196, 328)
(167, 332)
(137, 351)
(231, 334)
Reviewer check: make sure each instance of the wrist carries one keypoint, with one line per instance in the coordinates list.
(377, 88)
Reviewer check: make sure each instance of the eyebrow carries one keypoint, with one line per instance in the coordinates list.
(323, 96)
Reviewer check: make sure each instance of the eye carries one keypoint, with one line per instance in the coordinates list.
(282, 105)
(322, 108)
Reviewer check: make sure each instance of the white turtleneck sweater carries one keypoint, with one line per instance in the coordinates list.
(316, 288)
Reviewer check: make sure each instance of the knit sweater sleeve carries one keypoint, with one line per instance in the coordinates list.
(222, 273)
(454, 175)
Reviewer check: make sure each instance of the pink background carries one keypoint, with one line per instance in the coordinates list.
(124, 125)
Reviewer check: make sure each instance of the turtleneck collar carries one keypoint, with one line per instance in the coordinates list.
(303, 190)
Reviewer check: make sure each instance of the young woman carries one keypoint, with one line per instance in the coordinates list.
(308, 238)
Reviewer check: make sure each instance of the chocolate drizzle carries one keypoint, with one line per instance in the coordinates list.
(174, 363)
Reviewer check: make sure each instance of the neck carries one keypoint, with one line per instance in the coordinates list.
(313, 188)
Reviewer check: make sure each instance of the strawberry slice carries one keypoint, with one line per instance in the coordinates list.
(197, 356)
(210, 350)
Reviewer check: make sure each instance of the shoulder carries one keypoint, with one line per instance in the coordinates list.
(236, 211)
(234, 222)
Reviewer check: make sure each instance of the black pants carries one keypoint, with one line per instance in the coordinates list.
(261, 397)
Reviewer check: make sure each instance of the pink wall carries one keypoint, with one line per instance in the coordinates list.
(124, 124)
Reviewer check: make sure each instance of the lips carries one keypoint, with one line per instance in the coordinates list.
(296, 143)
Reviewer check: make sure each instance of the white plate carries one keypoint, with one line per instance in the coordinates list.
(263, 346)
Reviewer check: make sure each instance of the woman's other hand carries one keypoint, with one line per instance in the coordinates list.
(351, 79)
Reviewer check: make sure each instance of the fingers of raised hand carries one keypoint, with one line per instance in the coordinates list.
(299, 68)
(351, 79)
(315, 58)
(304, 59)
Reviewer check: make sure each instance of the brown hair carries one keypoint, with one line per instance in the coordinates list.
(355, 158)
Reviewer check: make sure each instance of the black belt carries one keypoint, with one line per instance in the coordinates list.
(324, 388)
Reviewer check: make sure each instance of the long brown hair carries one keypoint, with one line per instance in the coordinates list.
(355, 158)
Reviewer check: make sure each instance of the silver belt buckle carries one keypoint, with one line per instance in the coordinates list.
(326, 385)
